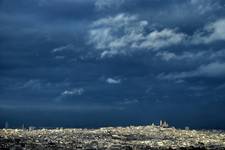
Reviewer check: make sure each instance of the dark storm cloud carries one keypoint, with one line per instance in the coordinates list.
(119, 53)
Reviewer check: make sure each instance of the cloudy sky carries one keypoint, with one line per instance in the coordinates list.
(90, 63)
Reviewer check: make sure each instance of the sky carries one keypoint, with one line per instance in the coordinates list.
(94, 63)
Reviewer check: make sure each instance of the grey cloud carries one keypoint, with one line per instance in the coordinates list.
(166, 55)
(217, 55)
(204, 6)
(32, 84)
(63, 48)
(129, 102)
(197, 88)
(75, 91)
(194, 55)
(212, 70)
(163, 38)
(123, 34)
(108, 4)
(186, 55)
(113, 81)
(215, 69)
(214, 31)
(69, 93)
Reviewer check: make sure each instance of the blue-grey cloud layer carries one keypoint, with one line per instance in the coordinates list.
(114, 55)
